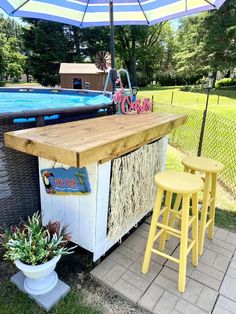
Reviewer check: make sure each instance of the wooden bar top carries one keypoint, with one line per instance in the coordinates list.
(83, 142)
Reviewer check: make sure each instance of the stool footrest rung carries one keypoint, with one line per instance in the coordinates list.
(162, 210)
(190, 245)
(158, 234)
(200, 211)
(211, 199)
(159, 225)
(173, 234)
(171, 258)
(200, 201)
(191, 220)
(208, 223)
(177, 213)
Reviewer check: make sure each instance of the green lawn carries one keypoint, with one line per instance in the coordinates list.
(225, 205)
(223, 200)
(220, 132)
(13, 301)
(15, 84)
(226, 107)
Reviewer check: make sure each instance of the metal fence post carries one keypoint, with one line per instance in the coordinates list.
(172, 97)
(199, 152)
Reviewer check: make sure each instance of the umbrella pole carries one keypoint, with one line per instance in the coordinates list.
(112, 44)
(113, 72)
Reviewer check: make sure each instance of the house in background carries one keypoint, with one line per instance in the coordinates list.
(77, 75)
(229, 73)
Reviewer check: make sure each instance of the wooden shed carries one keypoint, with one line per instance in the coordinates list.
(75, 75)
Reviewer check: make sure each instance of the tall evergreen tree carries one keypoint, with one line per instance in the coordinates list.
(47, 44)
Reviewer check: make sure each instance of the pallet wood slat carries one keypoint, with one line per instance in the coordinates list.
(81, 143)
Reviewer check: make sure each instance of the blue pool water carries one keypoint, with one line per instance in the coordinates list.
(21, 101)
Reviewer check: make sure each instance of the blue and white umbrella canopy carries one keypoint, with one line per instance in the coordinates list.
(89, 13)
(85, 13)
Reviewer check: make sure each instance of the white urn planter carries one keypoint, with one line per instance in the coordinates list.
(40, 279)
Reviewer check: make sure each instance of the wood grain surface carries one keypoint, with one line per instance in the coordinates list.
(84, 142)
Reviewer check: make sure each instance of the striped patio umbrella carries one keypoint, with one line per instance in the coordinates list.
(88, 13)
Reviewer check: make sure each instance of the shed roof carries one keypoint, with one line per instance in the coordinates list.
(79, 68)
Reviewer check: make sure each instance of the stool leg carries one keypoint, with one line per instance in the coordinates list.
(152, 230)
(205, 200)
(183, 244)
(212, 207)
(173, 216)
(165, 220)
(195, 229)
(177, 205)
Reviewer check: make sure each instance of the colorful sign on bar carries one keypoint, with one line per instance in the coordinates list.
(61, 181)
(127, 105)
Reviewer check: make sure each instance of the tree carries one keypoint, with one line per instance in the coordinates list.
(139, 48)
(12, 59)
(92, 40)
(220, 38)
(47, 44)
(207, 42)
(2, 60)
(10, 28)
(189, 57)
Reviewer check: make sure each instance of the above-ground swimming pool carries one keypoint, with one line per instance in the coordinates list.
(50, 103)
(22, 108)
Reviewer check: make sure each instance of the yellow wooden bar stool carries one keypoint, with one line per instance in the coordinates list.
(210, 168)
(186, 185)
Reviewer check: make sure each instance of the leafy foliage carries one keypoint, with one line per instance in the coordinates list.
(34, 244)
(189, 40)
(203, 43)
(207, 42)
(12, 60)
(47, 46)
(143, 50)
(92, 40)
(225, 82)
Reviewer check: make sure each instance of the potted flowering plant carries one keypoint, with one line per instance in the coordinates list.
(35, 250)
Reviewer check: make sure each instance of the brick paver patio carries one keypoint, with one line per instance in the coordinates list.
(210, 288)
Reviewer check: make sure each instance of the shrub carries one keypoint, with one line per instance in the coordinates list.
(185, 88)
(2, 83)
(33, 244)
(171, 79)
(226, 82)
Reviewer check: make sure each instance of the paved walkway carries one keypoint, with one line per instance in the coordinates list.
(211, 287)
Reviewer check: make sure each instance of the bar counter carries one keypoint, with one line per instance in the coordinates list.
(120, 155)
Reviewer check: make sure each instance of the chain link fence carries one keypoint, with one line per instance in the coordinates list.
(219, 140)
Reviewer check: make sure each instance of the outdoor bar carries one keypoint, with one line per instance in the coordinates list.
(96, 175)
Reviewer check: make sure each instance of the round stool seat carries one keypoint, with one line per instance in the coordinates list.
(179, 182)
(203, 164)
